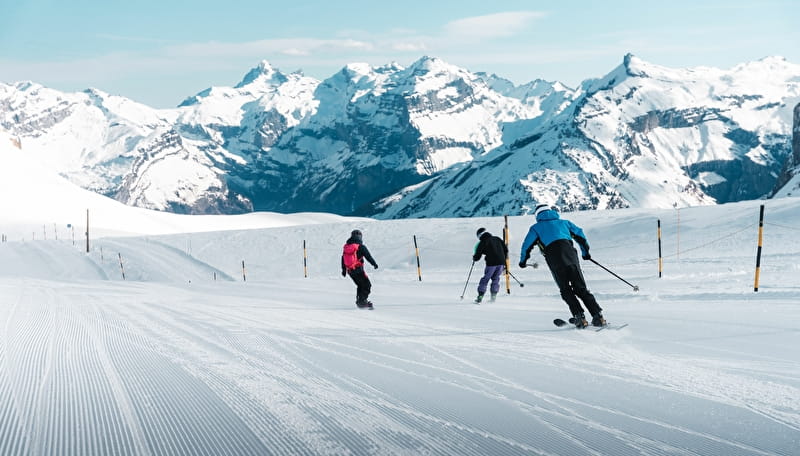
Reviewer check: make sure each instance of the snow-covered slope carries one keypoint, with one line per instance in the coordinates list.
(191, 353)
(39, 204)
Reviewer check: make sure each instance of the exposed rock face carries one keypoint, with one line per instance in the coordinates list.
(788, 183)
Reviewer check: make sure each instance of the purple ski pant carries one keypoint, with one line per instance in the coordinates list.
(490, 273)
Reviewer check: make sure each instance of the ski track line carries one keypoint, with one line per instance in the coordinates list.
(13, 439)
(554, 428)
(654, 381)
(571, 437)
(712, 436)
(199, 438)
(559, 398)
(473, 435)
(32, 372)
(607, 365)
(161, 333)
(289, 385)
(128, 428)
(450, 421)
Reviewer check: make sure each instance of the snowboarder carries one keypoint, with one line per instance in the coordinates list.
(553, 236)
(353, 254)
(496, 253)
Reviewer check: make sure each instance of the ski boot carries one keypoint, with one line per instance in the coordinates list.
(598, 320)
(364, 304)
(580, 321)
(479, 299)
(493, 298)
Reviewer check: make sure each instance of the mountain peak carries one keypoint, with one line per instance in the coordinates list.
(634, 66)
(263, 72)
(427, 64)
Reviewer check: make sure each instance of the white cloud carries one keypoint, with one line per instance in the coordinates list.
(288, 46)
(492, 25)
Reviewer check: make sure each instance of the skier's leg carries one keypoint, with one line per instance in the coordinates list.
(364, 286)
(562, 277)
(496, 271)
(580, 289)
(354, 275)
(487, 275)
(362, 282)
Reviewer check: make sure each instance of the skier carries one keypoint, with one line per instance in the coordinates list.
(496, 253)
(554, 237)
(353, 254)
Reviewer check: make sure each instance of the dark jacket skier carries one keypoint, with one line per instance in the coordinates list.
(554, 236)
(354, 253)
(496, 253)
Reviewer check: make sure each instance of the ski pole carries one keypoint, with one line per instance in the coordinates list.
(635, 288)
(468, 276)
(512, 276)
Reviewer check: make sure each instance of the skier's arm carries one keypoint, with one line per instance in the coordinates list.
(364, 251)
(478, 251)
(577, 233)
(527, 245)
(344, 269)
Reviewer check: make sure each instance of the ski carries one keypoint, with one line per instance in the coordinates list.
(560, 323)
(614, 327)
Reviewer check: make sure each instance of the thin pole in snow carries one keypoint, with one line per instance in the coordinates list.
(416, 250)
(305, 260)
(660, 259)
(121, 268)
(758, 253)
(87, 230)
(244, 274)
(505, 240)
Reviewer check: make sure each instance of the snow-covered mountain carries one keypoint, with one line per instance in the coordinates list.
(377, 130)
(431, 139)
(641, 136)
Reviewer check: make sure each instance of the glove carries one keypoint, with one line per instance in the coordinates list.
(476, 257)
(586, 256)
(344, 273)
(375, 266)
(523, 265)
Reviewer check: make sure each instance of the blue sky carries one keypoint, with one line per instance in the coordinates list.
(160, 52)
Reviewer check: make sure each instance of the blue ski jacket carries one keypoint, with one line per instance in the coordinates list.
(548, 229)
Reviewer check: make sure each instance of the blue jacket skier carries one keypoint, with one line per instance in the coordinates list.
(553, 235)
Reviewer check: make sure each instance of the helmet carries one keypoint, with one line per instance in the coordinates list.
(541, 208)
(480, 232)
(355, 233)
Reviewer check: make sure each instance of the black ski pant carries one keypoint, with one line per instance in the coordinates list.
(572, 286)
(361, 280)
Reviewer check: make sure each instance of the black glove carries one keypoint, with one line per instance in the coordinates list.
(523, 264)
(344, 273)
(586, 256)
(375, 266)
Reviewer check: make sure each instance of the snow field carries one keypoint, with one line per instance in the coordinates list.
(170, 361)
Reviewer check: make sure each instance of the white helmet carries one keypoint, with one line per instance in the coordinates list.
(541, 208)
